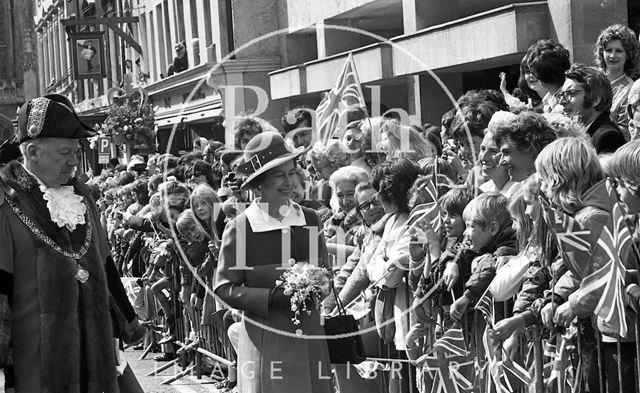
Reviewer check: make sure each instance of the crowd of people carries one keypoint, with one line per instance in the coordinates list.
(211, 230)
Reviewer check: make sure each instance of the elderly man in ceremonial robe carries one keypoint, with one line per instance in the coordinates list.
(58, 284)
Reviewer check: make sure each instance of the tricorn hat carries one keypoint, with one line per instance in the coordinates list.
(51, 116)
(265, 151)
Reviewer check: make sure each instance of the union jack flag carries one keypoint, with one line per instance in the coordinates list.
(452, 342)
(574, 241)
(429, 212)
(485, 306)
(446, 373)
(558, 371)
(332, 109)
(614, 243)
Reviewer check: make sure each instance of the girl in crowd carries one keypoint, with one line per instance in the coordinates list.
(352, 141)
(617, 53)
(572, 178)
(398, 140)
(205, 204)
(389, 262)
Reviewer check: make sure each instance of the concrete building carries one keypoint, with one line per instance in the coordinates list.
(465, 43)
(18, 64)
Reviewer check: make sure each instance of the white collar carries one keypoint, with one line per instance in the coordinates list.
(66, 208)
(261, 221)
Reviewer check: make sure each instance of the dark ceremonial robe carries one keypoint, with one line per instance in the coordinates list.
(270, 358)
(61, 328)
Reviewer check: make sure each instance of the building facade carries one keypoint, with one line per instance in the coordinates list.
(18, 64)
(267, 56)
(190, 95)
(420, 55)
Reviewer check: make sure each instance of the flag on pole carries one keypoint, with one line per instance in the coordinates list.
(485, 306)
(333, 107)
(447, 374)
(574, 241)
(607, 282)
(451, 342)
(429, 212)
(558, 371)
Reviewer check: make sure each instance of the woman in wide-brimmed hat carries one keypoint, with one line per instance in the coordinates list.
(256, 244)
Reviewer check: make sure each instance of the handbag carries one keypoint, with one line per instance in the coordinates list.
(343, 350)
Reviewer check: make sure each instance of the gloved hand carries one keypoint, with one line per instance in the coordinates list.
(277, 298)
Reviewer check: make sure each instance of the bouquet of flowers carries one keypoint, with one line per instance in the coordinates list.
(304, 282)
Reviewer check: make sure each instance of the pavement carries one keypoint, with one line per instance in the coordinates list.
(152, 384)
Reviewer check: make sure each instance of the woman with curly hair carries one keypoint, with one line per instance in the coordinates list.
(520, 140)
(326, 159)
(617, 52)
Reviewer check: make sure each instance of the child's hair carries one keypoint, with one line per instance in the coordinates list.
(188, 224)
(487, 208)
(540, 236)
(518, 211)
(455, 200)
(625, 164)
(569, 167)
(211, 198)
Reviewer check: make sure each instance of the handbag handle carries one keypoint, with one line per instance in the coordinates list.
(341, 310)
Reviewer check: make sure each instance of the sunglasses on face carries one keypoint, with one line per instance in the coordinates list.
(367, 205)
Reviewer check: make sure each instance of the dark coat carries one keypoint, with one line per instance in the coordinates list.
(269, 359)
(605, 135)
(62, 329)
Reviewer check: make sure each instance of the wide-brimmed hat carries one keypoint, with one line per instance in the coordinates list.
(265, 151)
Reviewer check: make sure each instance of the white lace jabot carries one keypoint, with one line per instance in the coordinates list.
(65, 207)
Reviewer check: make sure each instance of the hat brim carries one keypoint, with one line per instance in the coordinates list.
(276, 162)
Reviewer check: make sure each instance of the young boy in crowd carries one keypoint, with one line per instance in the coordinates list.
(489, 228)
(455, 260)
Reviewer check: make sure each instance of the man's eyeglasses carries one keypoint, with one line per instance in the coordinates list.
(367, 205)
(568, 94)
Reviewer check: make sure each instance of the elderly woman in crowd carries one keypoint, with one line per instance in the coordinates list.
(246, 277)
(337, 229)
(326, 159)
(616, 53)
